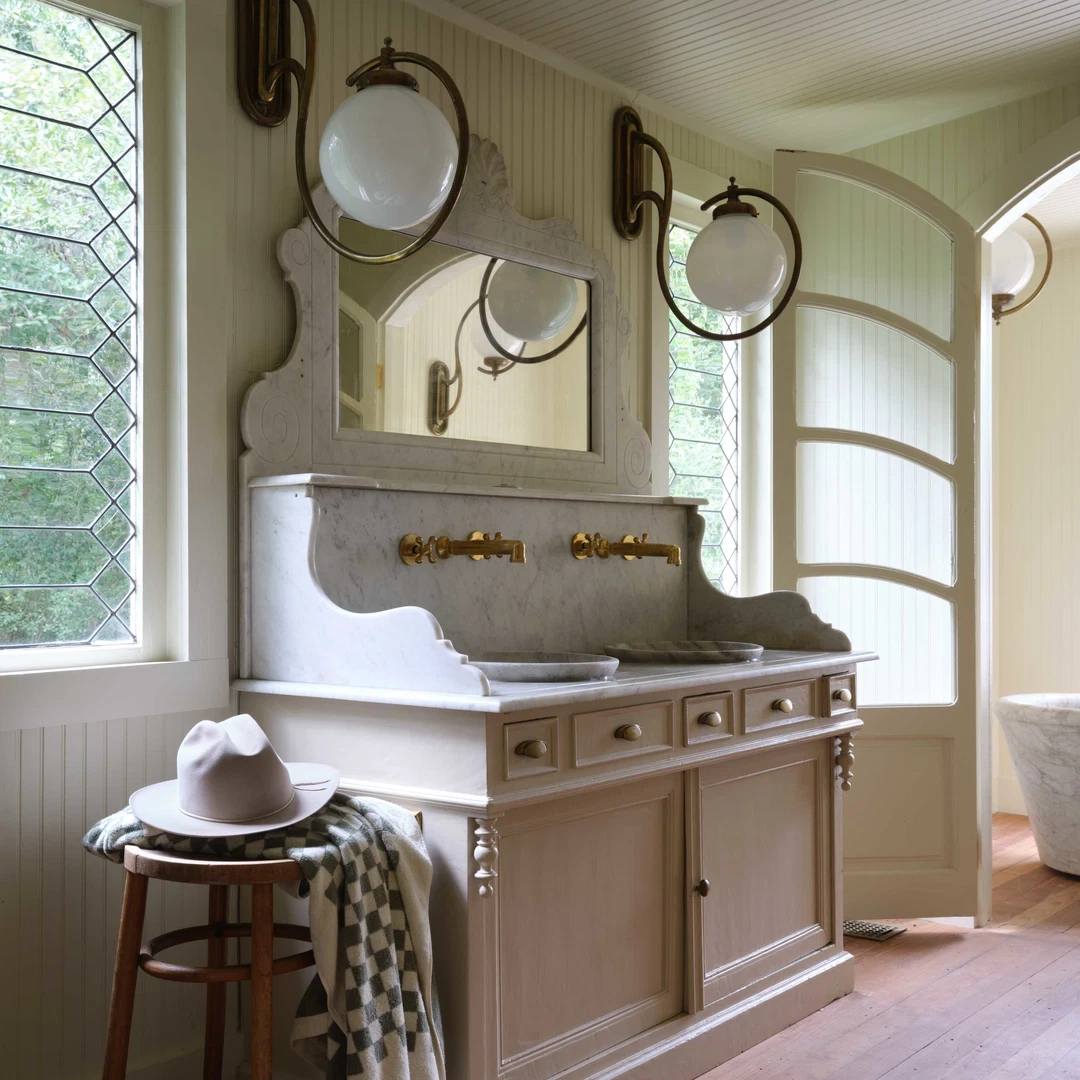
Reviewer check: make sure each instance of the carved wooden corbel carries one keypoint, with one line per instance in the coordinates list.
(845, 760)
(486, 854)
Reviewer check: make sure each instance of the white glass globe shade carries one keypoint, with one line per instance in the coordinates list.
(480, 341)
(1012, 262)
(388, 157)
(736, 264)
(530, 303)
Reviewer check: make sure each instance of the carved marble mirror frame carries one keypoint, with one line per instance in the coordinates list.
(289, 417)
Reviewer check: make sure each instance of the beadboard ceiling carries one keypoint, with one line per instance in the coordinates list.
(806, 74)
(1059, 213)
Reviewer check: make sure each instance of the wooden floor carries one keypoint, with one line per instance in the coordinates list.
(942, 1003)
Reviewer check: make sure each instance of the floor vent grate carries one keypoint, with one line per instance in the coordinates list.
(872, 931)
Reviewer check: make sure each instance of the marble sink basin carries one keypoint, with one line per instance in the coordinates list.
(544, 666)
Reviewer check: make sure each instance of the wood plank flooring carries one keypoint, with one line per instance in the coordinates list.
(944, 1003)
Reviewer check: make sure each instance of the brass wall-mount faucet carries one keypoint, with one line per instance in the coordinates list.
(586, 545)
(413, 548)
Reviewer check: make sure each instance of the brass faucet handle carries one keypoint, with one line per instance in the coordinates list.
(631, 539)
(477, 535)
(583, 545)
(412, 549)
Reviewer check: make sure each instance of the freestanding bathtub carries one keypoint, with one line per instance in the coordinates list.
(1043, 733)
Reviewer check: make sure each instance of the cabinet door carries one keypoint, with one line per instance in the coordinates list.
(761, 833)
(590, 923)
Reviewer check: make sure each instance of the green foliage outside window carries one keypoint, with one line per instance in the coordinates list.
(68, 327)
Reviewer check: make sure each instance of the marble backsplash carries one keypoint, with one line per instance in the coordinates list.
(552, 602)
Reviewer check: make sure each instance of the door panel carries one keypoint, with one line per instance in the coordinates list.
(875, 512)
(590, 917)
(762, 838)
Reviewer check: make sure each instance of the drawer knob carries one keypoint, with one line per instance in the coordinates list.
(710, 719)
(534, 748)
(843, 695)
(702, 887)
(784, 704)
(629, 732)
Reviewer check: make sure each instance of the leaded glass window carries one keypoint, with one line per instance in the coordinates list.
(69, 338)
(703, 446)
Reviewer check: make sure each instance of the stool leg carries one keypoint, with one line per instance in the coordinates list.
(217, 955)
(122, 1003)
(262, 981)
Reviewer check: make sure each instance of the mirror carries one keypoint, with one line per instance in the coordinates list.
(454, 343)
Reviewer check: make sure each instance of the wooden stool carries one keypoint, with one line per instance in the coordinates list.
(261, 875)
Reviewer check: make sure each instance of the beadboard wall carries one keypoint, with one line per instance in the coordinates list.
(1037, 493)
(60, 908)
(954, 159)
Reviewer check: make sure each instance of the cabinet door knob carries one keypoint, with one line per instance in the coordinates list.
(843, 695)
(784, 704)
(702, 887)
(629, 732)
(534, 748)
(710, 719)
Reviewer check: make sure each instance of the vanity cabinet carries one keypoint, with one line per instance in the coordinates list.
(632, 879)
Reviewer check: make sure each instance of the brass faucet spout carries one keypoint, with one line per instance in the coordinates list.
(413, 549)
(586, 545)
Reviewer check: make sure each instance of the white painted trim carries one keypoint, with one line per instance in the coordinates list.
(449, 12)
(37, 699)
(1028, 177)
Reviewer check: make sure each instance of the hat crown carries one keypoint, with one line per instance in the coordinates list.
(228, 771)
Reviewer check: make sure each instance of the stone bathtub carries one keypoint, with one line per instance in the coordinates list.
(1043, 733)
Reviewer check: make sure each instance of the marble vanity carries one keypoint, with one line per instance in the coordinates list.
(633, 877)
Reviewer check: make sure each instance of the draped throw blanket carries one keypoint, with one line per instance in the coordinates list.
(371, 1009)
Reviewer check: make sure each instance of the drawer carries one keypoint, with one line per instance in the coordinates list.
(531, 747)
(765, 705)
(841, 690)
(622, 733)
(709, 717)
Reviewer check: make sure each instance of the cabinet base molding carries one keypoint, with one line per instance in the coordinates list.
(688, 1046)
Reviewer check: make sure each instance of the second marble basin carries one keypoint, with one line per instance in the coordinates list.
(544, 666)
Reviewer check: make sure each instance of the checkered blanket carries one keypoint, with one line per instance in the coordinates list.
(371, 1010)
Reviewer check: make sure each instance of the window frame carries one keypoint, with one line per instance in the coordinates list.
(181, 662)
(149, 464)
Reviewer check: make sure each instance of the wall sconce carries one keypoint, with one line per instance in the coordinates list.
(1012, 262)
(518, 304)
(735, 265)
(388, 155)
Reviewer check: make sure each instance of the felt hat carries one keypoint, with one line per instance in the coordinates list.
(231, 782)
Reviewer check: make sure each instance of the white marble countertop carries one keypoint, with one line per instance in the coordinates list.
(368, 483)
(629, 680)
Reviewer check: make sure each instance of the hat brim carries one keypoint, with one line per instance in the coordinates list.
(157, 805)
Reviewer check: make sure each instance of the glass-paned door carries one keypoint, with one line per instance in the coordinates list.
(875, 397)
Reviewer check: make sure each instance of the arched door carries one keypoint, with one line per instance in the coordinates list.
(875, 512)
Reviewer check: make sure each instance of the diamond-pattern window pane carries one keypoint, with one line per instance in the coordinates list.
(69, 170)
(703, 445)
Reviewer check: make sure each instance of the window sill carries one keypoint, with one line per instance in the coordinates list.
(36, 699)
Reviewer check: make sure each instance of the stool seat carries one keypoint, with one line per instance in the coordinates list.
(261, 875)
(199, 870)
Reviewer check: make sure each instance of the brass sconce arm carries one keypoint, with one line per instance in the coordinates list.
(999, 300)
(586, 545)
(413, 549)
(263, 66)
(630, 195)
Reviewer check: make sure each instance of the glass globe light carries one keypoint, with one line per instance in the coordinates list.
(736, 264)
(530, 303)
(388, 156)
(480, 341)
(1012, 262)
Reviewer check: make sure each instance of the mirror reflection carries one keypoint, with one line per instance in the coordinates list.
(452, 343)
